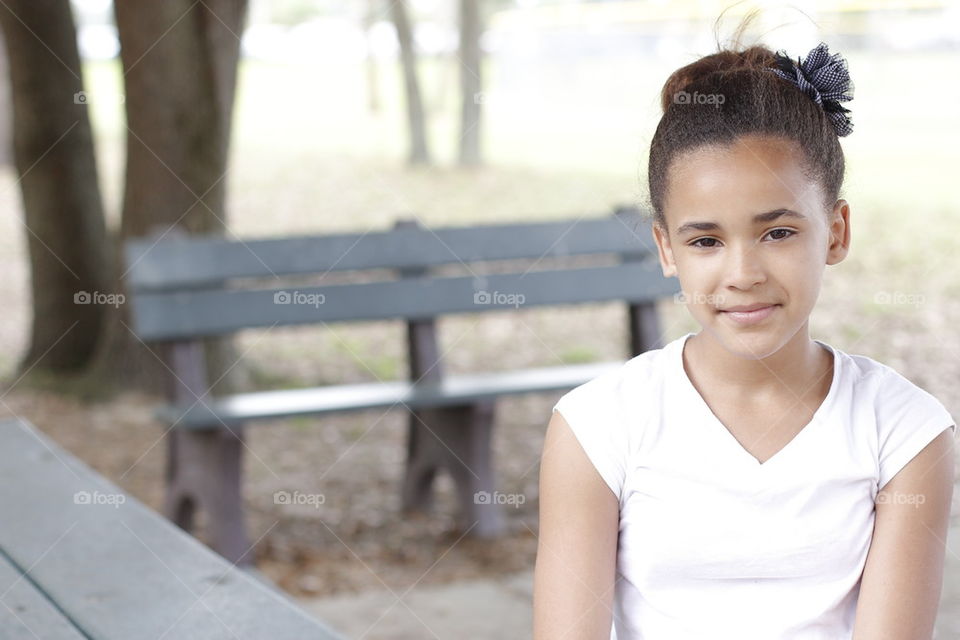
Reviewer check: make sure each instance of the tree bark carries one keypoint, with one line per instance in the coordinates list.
(180, 67)
(470, 82)
(63, 211)
(368, 19)
(6, 109)
(419, 150)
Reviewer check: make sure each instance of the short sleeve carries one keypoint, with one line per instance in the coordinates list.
(591, 410)
(908, 419)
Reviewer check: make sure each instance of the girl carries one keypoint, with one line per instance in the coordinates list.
(746, 481)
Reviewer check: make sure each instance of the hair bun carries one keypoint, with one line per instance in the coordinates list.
(714, 66)
(823, 77)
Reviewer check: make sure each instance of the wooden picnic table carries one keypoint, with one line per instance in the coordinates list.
(80, 559)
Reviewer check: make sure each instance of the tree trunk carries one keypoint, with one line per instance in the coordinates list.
(368, 20)
(63, 211)
(180, 65)
(6, 131)
(470, 83)
(419, 151)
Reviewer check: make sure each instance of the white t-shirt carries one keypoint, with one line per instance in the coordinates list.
(714, 544)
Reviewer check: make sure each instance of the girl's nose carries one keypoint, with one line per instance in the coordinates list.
(744, 267)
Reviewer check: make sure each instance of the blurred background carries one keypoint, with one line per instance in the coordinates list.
(551, 118)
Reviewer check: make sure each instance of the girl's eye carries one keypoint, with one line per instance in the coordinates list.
(696, 243)
(789, 231)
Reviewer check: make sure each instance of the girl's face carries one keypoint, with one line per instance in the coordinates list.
(747, 227)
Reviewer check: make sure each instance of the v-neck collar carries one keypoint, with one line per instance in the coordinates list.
(698, 400)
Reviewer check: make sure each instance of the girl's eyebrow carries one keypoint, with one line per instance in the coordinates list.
(760, 218)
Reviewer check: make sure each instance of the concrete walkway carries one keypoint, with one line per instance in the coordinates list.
(502, 608)
(478, 610)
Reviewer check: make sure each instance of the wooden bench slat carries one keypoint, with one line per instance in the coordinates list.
(202, 259)
(451, 390)
(187, 314)
(26, 613)
(120, 571)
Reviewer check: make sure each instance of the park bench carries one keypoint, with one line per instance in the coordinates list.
(81, 560)
(184, 288)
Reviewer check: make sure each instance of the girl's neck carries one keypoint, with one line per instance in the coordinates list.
(734, 372)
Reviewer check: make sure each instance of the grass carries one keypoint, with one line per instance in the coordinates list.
(577, 354)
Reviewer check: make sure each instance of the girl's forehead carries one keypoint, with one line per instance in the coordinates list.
(773, 154)
(749, 175)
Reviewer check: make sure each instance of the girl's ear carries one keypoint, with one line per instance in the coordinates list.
(667, 264)
(839, 230)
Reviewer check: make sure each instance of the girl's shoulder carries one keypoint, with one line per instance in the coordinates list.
(600, 413)
(876, 381)
(640, 373)
(905, 416)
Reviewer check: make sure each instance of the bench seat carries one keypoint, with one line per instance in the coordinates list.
(449, 391)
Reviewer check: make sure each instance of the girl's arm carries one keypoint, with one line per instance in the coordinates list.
(900, 588)
(577, 550)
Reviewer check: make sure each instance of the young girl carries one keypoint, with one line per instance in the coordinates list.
(747, 481)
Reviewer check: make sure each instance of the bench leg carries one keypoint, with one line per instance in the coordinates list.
(644, 328)
(458, 439)
(204, 473)
(423, 462)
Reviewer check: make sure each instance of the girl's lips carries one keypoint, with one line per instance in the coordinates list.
(750, 317)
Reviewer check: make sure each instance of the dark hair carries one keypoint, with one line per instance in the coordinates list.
(743, 97)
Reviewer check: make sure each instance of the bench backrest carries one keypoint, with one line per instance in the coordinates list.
(184, 287)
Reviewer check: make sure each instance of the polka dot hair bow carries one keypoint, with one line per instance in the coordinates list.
(825, 79)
